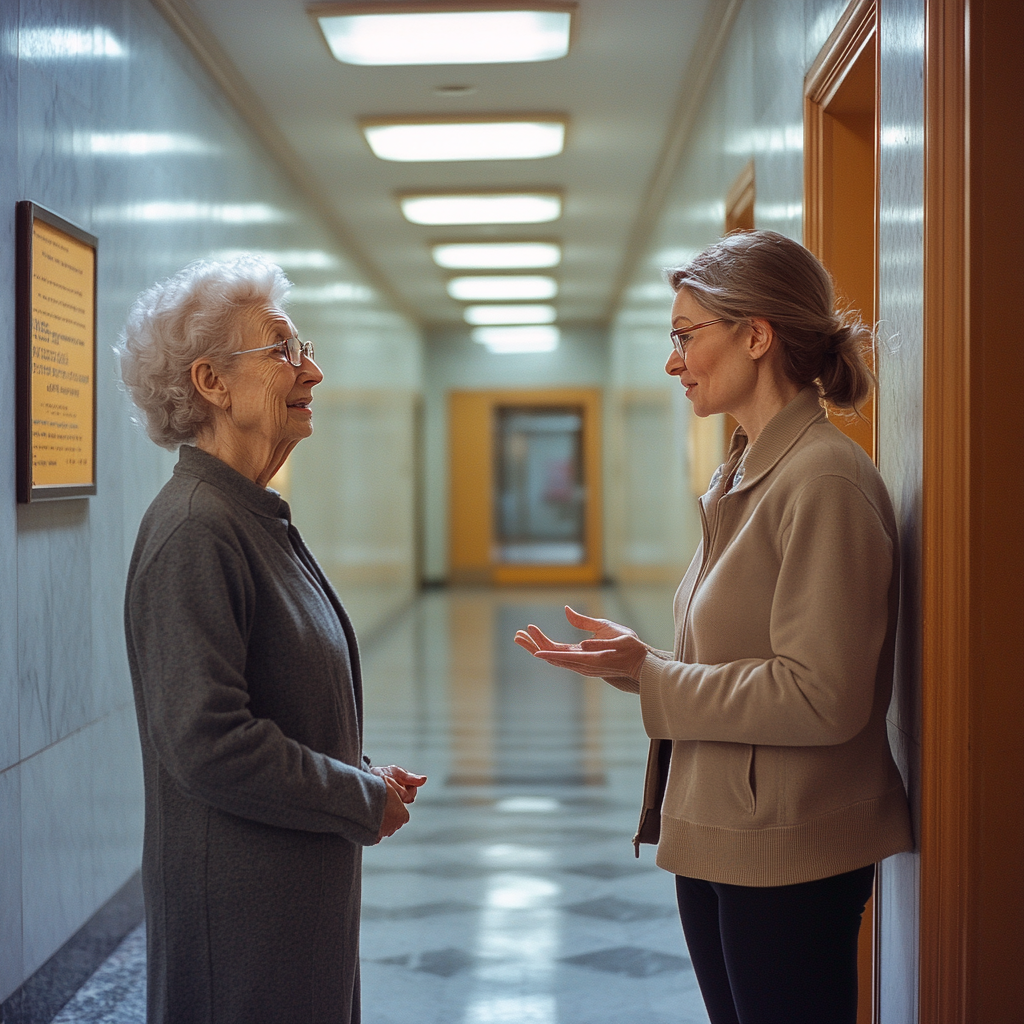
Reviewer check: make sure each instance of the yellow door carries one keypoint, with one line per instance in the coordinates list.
(476, 551)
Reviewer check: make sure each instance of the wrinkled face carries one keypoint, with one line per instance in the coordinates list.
(718, 374)
(271, 398)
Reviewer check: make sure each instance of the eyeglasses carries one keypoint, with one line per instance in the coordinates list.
(681, 336)
(293, 349)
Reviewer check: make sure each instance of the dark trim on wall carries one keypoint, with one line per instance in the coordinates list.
(42, 996)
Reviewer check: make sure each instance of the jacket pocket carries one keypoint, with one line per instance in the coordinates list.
(752, 780)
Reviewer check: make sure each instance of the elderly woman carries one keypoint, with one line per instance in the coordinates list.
(246, 675)
(771, 788)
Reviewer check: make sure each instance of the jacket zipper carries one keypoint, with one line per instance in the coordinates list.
(708, 539)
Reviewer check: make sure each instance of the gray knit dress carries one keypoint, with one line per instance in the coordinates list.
(258, 797)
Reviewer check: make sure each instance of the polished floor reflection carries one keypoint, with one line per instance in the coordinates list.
(513, 896)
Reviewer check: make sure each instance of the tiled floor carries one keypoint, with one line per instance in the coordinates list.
(512, 897)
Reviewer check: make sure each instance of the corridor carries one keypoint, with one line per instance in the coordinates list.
(512, 896)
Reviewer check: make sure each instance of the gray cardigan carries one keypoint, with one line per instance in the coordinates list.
(258, 797)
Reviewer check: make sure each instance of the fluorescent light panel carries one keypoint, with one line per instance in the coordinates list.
(518, 340)
(466, 140)
(483, 288)
(447, 37)
(518, 314)
(511, 208)
(497, 255)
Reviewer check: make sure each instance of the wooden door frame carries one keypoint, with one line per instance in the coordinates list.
(972, 832)
(946, 860)
(856, 30)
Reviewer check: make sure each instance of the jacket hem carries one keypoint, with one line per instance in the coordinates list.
(846, 839)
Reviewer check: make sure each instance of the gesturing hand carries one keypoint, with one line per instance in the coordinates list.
(395, 814)
(614, 650)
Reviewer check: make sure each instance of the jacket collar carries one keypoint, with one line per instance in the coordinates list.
(201, 465)
(779, 435)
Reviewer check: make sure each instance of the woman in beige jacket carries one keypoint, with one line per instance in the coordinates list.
(771, 789)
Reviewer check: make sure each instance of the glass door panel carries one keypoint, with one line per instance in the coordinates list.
(540, 500)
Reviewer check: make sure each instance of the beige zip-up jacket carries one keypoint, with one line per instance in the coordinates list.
(770, 715)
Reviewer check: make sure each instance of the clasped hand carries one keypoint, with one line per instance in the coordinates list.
(613, 651)
(402, 789)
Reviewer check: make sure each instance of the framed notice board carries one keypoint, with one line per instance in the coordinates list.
(56, 356)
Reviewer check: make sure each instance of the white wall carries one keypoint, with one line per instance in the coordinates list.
(353, 486)
(70, 774)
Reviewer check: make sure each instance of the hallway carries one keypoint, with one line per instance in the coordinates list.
(461, 295)
(512, 896)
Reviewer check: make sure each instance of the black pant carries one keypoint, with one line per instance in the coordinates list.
(784, 954)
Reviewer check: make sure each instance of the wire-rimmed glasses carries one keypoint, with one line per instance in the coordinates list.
(293, 349)
(681, 336)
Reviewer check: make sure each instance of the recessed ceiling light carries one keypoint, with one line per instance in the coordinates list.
(516, 340)
(512, 208)
(421, 142)
(473, 289)
(370, 34)
(497, 255)
(517, 314)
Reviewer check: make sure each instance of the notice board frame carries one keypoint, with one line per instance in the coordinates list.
(27, 213)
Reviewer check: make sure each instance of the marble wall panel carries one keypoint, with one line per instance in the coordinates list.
(54, 621)
(116, 829)
(58, 849)
(899, 922)
(900, 433)
(10, 881)
(8, 549)
(901, 296)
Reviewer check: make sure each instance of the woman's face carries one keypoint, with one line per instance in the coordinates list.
(270, 398)
(718, 372)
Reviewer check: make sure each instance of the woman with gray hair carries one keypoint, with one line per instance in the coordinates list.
(246, 674)
(771, 789)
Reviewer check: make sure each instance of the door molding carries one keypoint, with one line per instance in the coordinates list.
(856, 29)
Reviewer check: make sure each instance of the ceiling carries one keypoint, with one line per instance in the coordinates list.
(627, 87)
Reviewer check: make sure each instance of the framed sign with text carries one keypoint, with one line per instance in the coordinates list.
(56, 356)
